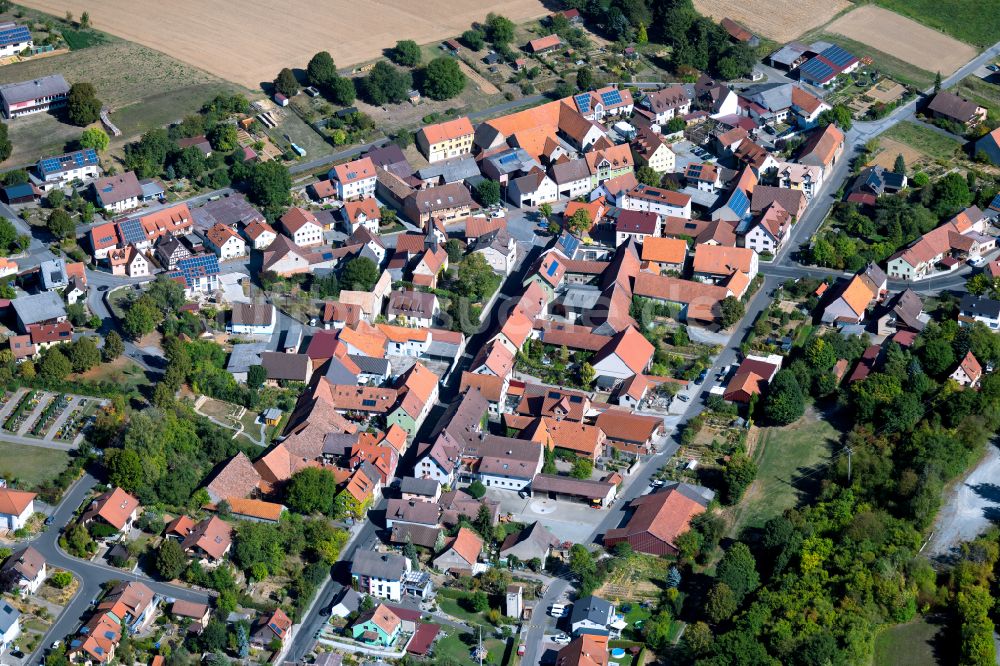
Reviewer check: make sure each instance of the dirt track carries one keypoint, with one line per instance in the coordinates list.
(904, 39)
(248, 42)
(780, 20)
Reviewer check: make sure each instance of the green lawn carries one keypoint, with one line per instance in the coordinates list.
(975, 22)
(900, 70)
(81, 39)
(908, 644)
(935, 146)
(451, 648)
(450, 602)
(784, 456)
(31, 465)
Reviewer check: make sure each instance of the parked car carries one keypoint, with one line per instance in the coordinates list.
(683, 398)
(561, 638)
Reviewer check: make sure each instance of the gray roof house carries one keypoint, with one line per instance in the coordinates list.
(592, 615)
(346, 602)
(52, 274)
(242, 357)
(46, 307)
(534, 541)
(10, 624)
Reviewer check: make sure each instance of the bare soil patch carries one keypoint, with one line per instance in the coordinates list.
(903, 38)
(891, 148)
(250, 42)
(780, 20)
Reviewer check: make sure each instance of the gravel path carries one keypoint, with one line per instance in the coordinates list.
(970, 507)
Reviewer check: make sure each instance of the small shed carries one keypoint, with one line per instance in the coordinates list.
(280, 99)
(21, 193)
(450, 46)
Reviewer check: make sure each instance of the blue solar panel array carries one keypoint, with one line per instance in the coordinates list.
(838, 56)
(739, 203)
(817, 70)
(73, 160)
(995, 204)
(611, 97)
(17, 34)
(192, 268)
(570, 243)
(132, 231)
(553, 267)
(583, 102)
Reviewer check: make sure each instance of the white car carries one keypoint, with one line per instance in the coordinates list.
(561, 638)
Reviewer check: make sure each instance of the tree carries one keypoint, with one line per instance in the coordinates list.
(405, 53)
(839, 115)
(140, 319)
(479, 602)
(310, 490)
(938, 356)
(61, 579)
(386, 84)
(738, 473)
(581, 560)
(96, 138)
(256, 376)
(579, 222)
(189, 163)
(950, 194)
(85, 20)
(286, 83)
(732, 311)
(224, 137)
(648, 175)
(587, 374)
(476, 489)
(60, 224)
(125, 468)
(499, 29)
(900, 165)
(84, 354)
(784, 403)
(676, 124)
(474, 39)
(170, 559)
(937, 83)
(6, 147)
(641, 36)
(443, 78)
(82, 105)
(738, 570)
(342, 90)
(582, 468)
(488, 192)
(270, 184)
(113, 346)
(585, 78)
(360, 274)
(720, 603)
(545, 210)
(321, 70)
(55, 365)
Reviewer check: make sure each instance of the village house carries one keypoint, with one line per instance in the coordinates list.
(25, 97)
(225, 242)
(446, 140)
(657, 200)
(364, 213)
(259, 234)
(968, 372)
(949, 106)
(117, 193)
(169, 250)
(461, 553)
(448, 203)
(380, 626)
(823, 147)
(650, 149)
(636, 225)
(355, 179)
(115, 508)
(24, 570)
(412, 308)
(660, 517)
(769, 231)
(79, 165)
(858, 294)
(252, 319)
(302, 227)
(128, 261)
(667, 103)
(973, 309)
(16, 507)
(379, 574)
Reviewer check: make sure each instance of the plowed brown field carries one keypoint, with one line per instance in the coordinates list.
(780, 20)
(249, 41)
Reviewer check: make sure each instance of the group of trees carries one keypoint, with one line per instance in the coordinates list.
(440, 79)
(82, 105)
(322, 73)
(810, 587)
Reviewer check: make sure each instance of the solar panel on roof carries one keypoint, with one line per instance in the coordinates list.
(818, 70)
(739, 203)
(15, 35)
(838, 56)
(611, 97)
(553, 267)
(132, 231)
(583, 102)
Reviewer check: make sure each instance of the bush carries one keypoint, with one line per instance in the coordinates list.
(61, 579)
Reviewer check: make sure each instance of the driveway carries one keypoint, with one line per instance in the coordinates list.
(569, 521)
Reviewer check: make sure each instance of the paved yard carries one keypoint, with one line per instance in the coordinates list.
(569, 521)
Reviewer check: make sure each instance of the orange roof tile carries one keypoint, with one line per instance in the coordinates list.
(665, 250)
(447, 131)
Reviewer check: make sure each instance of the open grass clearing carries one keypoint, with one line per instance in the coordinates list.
(31, 465)
(910, 644)
(780, 20)
(787, 459)
(894, 67)
(934, 145)
(975, 22)
(451, 649)
(903, 38)
(982, 92)
(122, 371)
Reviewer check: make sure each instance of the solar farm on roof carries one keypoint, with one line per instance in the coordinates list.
(74, 160)
(583, 102)
(739, 203)
(611, 98)
(14, 34)
(132, 231)
(192, 268)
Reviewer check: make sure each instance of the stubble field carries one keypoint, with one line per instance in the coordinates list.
(780, 20)
(248, 43)
(903, 38)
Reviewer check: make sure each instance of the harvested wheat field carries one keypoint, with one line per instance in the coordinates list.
(903, 38)
(780, 20)
(248, 42)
